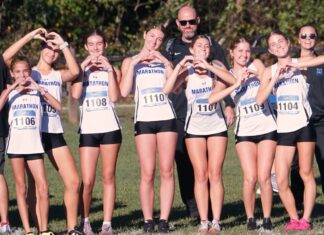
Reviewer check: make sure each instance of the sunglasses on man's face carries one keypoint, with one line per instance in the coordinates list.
(185, 22)
(311, 36)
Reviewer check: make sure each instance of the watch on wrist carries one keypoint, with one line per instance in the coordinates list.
(62, 46)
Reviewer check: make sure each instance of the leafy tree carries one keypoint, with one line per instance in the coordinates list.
(123, 21)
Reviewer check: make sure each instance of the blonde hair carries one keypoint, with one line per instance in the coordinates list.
(158, 26)
(238, 40)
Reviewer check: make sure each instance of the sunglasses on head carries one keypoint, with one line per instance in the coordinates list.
(311, 36)
(191, 22)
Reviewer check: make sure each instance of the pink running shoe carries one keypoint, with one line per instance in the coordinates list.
(304, 225)
(293, 225)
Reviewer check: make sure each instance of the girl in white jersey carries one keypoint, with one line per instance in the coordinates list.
(255, 130)
(155, 124)
(205, 128)
(312, 66)
(24, 147)
(52, 131)
(293, 126)
(100, 131)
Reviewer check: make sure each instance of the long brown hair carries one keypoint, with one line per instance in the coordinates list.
(96, 32)
(276, 32)
(234, 44)
(195, 38)
(18, 59)
(158, 26)
(238, 40)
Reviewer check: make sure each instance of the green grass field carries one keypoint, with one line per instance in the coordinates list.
(127, 215)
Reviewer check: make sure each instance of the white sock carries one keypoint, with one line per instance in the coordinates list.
(107, 223)
(86, 220)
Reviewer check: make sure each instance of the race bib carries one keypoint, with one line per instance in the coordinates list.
(203, 108)
(153, 97)
(24, 119)
(48, 110)
(249, 108)
(95, 101)
(288, 104)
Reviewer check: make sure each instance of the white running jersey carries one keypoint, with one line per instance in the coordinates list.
(51, 122)
(293, 107)
(202, 118)
(151, 104)
(97, 111)
(252, 119)
(25, 123)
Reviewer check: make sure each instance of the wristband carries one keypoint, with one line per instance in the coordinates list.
(62, 46)
(43, 91)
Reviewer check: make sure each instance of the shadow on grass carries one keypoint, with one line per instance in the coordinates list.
(56, 212)
(318, 182)
(134, 219)
(233, 214)
(14, 217)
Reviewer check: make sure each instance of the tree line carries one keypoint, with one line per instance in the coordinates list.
(123, 21)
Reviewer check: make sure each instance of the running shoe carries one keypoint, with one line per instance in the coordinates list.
(5, 227)
(293, 225)
(215, 226)
(163, 226)
(86, 227)
(31, 233)
(106, 230)
(148, 226)
(304, 225)
(251, 224)
(76, 231)
(47, 232)
(203, 227)
(266, 224)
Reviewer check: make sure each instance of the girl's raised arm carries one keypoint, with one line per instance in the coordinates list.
(76, 87)
(46, 95)
(5, 94)
(219, 70)
(178, 75)
(73, 70)
(8, 54)
(219, 94)
(113, 88)
(126, 82)
(266, 84)
(260, 68)
(310, 63)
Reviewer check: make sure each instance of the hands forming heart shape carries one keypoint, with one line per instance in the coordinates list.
(48, 37)
(149, 55)
(25, 85)
(97, 62)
